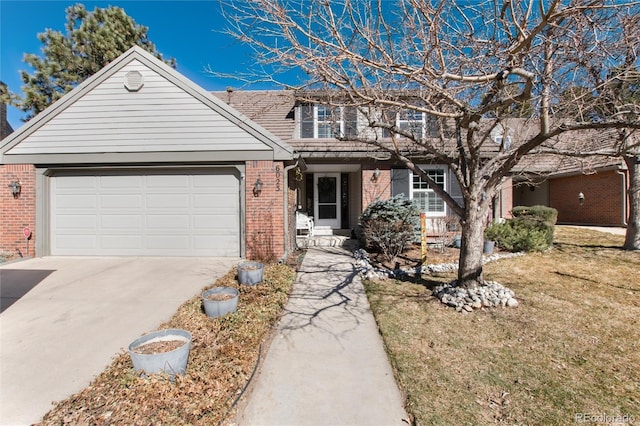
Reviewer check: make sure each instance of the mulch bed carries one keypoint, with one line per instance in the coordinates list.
(158, 347)
(219, 297)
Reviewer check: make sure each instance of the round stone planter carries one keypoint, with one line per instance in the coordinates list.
(250, 273)
(169, 361)
(219, 301)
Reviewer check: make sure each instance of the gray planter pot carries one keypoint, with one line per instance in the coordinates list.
(218, 308)
(250, 273)
(488, 247)
(171, 362)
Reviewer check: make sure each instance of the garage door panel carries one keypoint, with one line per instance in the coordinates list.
(152, 213)
(121, 201)
(77, 241)
(164, 182)
(78, 221)
(73, 202)
(206, 244)
(120, 242)
(121, 183)
(167, 201)
(169, 222)
(122, 222)
(89, 183)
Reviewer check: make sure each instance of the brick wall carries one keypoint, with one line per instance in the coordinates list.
(265, 211)
(17, 213)
(602, 205)
(373, 190)
(506, 199)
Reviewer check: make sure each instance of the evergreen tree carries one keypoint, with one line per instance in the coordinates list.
(92, 40)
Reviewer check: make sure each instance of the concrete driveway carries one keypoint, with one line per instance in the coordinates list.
(79, 314)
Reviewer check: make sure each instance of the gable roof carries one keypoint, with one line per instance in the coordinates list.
(169, 118)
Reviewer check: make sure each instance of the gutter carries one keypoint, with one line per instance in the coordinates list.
(286, 210)
(625, 194)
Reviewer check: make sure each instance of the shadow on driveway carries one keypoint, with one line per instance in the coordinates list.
(15, 283)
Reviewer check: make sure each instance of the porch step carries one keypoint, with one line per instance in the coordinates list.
(322, 230)
(322, 241)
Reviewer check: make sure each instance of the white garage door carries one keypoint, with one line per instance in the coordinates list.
(146, 214)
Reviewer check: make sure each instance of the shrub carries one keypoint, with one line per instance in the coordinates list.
(391, 238)
(542, 213)
(389, 225)
(531, 229)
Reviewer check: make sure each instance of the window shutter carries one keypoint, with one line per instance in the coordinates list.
(350, 122)
(306, 122)
(400, 182)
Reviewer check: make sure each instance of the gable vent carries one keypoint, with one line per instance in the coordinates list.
(133, 81)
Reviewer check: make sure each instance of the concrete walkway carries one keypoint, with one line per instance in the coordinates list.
(66, 317)
(326, 364)
(610, 229)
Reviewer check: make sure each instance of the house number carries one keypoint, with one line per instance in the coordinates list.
(277, 178)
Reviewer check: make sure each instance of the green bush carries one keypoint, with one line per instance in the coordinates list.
(389, 225)
(531, 229)
(543, 213)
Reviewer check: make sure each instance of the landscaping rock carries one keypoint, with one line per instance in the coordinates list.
(493, 295)
(490, 295)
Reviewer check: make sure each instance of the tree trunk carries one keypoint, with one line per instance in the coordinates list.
(632, 237)
(470, 263)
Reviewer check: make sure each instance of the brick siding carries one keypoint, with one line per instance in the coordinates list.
(17, 213)
(602, 205)
(373, 190)
(265, 211)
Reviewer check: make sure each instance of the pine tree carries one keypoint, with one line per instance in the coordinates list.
(92, 40)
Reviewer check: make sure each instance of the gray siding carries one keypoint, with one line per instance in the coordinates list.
(159, 117)
(454, 188)
(400, 182)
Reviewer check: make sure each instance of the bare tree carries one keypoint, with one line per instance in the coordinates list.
(488, 75)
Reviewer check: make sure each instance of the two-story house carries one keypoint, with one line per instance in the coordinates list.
(138, 160)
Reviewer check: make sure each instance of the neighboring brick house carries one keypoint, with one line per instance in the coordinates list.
(585, 191)
(138, 160)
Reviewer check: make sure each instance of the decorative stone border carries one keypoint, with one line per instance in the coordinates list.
(492, 294)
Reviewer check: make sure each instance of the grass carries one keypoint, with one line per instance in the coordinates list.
(223, 355)
(571, 347)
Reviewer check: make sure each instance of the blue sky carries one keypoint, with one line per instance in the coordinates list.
(188, 30)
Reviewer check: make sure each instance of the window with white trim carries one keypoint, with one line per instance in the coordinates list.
(411, 121)
(415, 122)
(426, 198)
(324, 121)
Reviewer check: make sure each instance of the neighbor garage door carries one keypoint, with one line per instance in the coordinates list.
(150, 213)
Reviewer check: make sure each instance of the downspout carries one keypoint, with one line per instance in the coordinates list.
(286, 211)
(625, 194)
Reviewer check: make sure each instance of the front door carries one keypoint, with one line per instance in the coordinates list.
(327, 199)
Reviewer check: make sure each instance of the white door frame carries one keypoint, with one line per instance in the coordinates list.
(335, 222)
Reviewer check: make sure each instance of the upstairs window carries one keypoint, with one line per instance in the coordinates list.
(411, 121)
(323, 121)
(428, 201)
(415, 122)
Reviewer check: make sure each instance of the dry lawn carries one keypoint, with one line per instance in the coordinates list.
(572, 347)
